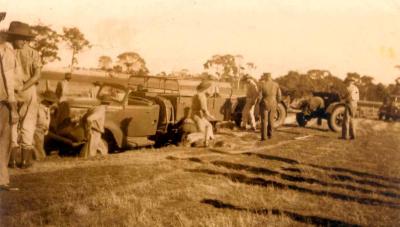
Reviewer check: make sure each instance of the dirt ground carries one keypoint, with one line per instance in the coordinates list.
(302, 177)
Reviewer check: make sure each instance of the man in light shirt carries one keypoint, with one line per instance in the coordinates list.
(8, 109)
(252, 95)
(28, 72)
(351, 98)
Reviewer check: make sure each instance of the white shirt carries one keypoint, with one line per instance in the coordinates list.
(353, 95)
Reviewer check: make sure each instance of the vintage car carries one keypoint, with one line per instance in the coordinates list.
(130, 120)
(224, 103)
(390, 108)
(333, 112)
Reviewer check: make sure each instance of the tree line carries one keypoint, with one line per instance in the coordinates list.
(228, 67)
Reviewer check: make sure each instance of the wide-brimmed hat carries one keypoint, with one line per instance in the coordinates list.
(20, 30)
(49, 96)
(204, 85)
(350, 79)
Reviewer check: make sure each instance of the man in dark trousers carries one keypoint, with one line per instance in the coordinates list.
(270, 96)
(8, 112)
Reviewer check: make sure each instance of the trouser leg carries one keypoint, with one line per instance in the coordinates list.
(5, 139)
(271, 119)
(264, 123)
(345, 124)
(252, 117)
(28, 112)
(209, 128)
(245, 114)
(39, 152)
(14, 135)
(352, 122)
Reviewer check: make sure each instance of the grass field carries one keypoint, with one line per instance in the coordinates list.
(302, 177)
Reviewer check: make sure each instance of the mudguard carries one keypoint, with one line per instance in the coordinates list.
(116, 131)
(332, 106)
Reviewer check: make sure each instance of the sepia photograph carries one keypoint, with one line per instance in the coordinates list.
(231, 113)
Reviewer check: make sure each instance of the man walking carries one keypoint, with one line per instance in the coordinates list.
(351, 98)
(270, 96)
(251, 100)
(26, 77)
(8, 113)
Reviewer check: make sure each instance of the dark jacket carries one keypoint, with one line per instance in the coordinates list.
(270, 94)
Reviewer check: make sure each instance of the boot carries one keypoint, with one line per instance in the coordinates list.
(26, 158)
(15, 152)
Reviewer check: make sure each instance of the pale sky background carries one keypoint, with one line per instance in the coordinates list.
(277, 35)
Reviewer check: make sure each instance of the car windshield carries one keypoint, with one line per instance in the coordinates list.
(112, 93)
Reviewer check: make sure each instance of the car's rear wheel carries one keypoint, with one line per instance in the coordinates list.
(335, 119)
(280, 115)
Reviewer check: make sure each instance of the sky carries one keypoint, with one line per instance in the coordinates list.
(277, 35)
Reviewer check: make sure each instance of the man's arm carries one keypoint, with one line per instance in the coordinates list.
(8, 73)
(204, 108)
(37, 72)
(279, 94)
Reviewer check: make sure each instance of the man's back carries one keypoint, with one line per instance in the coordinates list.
(270, 92)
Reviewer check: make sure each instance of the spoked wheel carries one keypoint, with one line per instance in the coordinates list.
(336, 119)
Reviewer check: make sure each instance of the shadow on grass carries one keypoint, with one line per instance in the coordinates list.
(258, 181)
(390, 180)
(296, 178)
(313, 220)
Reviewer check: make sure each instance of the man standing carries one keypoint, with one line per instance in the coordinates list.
(26, 77)
(8, 113)
(251, 100)
(62, 89)
(270, 96)
(351, 98)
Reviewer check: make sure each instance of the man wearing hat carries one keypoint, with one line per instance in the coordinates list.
(26, 77)
(49, 98)
(270, 96)
(251, 100)
(8, 109)
(200, 113)
(351, 98)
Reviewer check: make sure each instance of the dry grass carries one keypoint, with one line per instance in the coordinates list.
(317, 180)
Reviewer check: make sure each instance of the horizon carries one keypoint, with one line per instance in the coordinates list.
(278, 36)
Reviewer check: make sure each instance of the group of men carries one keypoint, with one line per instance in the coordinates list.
(19, 105)
(267, 93)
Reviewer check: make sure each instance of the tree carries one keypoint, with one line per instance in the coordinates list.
(76, 41)
(227, 67)
(132, 63)
(105, 62)
(45, 42)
